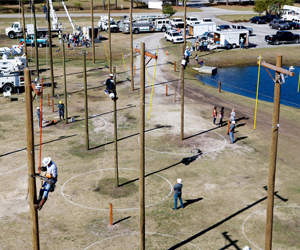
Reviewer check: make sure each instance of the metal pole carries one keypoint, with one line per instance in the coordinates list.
(131, 49)
(184, 37)
(50, 49)
(116, 131)
(142, 149)
(35, 41)
(85, 102)
(182, 100)
(31, 163)
(65, 82)
(109, 39)
(24, 33)
(93, 35)
(273, 156)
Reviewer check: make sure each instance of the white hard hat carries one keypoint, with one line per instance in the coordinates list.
(246, 248)
(187, 47)
(38, 108)
(112, 95)
(46, 161)
(179, 181)
(111, 75)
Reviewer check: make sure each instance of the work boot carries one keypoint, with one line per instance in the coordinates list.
(40, 205)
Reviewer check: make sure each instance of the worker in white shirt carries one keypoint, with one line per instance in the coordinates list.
(49, 184)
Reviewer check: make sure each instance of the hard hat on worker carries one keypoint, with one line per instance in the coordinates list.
(111, 75)
(46, 161)
(60, 102)
(38, 108)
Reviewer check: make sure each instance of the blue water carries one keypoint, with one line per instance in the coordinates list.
(243, 81)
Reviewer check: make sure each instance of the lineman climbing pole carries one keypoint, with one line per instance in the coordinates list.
(50, 48)
(274, 142)
(31, 162)
(131, 48)
(35, 41)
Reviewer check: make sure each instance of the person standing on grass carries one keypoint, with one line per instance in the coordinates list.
(231, 131)
(215, 113)
(177, 193)
(221, 116)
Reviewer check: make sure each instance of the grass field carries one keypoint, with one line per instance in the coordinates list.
(223, 184)
(235, 7)
(239, 18)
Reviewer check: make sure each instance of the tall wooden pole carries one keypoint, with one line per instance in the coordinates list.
(24, 33)
(131, 48)
(35, 41)
(31, 163)
(92, 19)
(182, 99)
(116, 131)
(85, 103)
(50, 49)
(142, 149)
(109, 39)
(65, 82)
(273, 157)
(184, 29)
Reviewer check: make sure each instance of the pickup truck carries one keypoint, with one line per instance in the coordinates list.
(241, 27)
(177, 23)
(282, 37)
(279, 24)
(40, 41)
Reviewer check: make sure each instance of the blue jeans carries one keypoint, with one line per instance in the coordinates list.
(214, 120)
(231, 136)
(175, 198)
(61, 114)
(45, 190)
(242, 45)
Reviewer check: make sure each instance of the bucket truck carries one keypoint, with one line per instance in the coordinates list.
(75, 30)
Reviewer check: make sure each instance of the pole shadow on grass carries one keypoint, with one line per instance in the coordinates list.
(222, 222)
(121, 220)
(191, 201)
(232, 243)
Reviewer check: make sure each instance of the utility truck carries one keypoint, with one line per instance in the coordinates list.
(11, 73)
(199, 29)
(177, 23)
(230, 39)
(103, 24)
(291, 13)
(14, 50)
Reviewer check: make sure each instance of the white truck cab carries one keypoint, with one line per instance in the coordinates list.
(192, 20)
(177, 23)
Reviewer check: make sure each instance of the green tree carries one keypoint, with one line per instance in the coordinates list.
(261, 5)
(168, 9)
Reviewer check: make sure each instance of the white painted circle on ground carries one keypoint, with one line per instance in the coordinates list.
(21, 150)
(243, 225)
(184, 154)
(121, 209)
(120, 235)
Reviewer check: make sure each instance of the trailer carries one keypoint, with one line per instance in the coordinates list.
(87, 32)
(199, 29)
(230, 39)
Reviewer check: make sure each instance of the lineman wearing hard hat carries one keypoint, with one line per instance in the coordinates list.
(61, 110)
(110, 87)
(48, 185)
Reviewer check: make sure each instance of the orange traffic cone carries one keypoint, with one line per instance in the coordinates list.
(167, 53)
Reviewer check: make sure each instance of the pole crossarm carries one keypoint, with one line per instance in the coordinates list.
(146, 53)
(278, 69)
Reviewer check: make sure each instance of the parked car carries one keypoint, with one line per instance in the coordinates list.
(173, 36)
(223, 27)
(192, 20)
(293, 25)
(258, 19)
(282, 37)
(269, 18)
(241, 27)
(279, 24)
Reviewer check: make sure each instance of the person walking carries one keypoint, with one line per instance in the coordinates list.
(231, 131)
(61, 110)
(221, 116)
(50, 182)
(110, 87)
(59, 37)
(215, 114)
(232, 115)
(177, 193)
(45, 11)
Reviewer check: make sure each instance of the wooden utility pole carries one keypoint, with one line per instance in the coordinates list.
(31, 163)
(116, 131)
(92, 19)
(65, 82)
(274, 142)
(182, 100)
(35, 41)
(24, 33)
(142, 149)
(184, 29)
(109, 39)
(131, 48)
(50, 49)
(85, 103)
